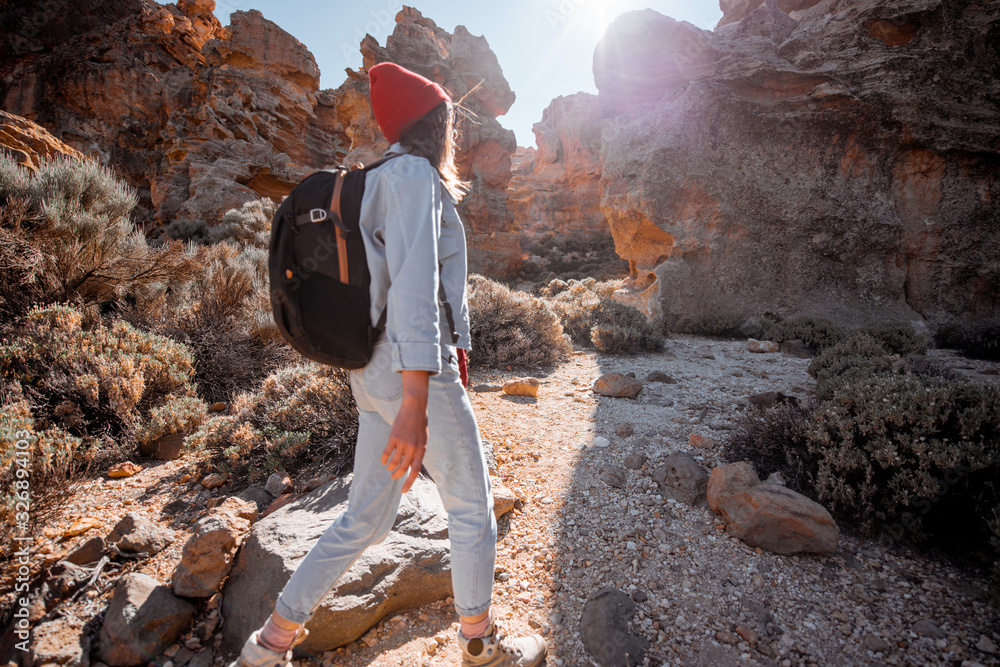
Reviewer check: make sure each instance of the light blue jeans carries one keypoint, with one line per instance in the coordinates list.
(454, 459)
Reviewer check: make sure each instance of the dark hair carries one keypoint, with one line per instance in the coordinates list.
(432, 137)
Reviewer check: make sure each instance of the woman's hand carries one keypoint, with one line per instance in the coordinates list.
(408, 438)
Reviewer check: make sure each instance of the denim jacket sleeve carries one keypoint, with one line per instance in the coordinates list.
(403, 207)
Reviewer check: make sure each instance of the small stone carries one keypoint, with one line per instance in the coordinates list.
(986, 645)
(617, 385)
(601, 442)
(487, 387)
(214, 480)
(700, 441)
(876, 644)
(614, 476)
(278, 484)
(218, 407)
(635, 461)
(624, 430)
(81, 526)
(762, 346)
(124, 469)
(660, 376)
(503, 498)
(776, 478)
(522, 387)
(727, 637)
(926, 628)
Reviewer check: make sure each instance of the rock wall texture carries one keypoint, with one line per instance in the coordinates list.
(556, 188)
(201, 118)
(198, 117)
(30, 144)
(843, 163)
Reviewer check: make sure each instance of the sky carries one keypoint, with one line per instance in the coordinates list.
(545, 47)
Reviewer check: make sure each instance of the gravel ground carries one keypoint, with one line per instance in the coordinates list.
(703, 597)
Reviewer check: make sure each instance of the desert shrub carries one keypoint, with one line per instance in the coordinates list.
(224, 317)
(43, 459)
(776, 439)
(857, 358)
(816, 332)
(721, 324)
(979, 341)
(572, 258)
(94, 384)
(180, 414)
(895, 337)
(512, 328)
(297, 414)
(918, 364)
(907, 451)
(248, 225)
(66, 233)
(617, 328)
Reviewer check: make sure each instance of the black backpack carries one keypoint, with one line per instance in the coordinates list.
(319, 270)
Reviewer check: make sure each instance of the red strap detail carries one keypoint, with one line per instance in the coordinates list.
(463, 367)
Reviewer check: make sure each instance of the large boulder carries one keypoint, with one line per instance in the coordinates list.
(769, 516)
(840, 165)
(411, 567)
(143, 619)
(208, 554)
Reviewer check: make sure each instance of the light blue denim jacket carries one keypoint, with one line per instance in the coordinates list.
(410, 227)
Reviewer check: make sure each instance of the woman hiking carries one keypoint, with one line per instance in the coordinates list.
(412, 406)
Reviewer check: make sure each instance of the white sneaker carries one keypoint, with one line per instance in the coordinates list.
(498, 650)
(255, 654)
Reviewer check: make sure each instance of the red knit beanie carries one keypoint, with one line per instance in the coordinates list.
(401, 97)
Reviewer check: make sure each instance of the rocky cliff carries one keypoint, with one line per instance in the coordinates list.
(201, 117)
(556, 188)
(841, 163)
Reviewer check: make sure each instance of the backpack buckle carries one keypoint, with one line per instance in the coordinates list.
(317, 215)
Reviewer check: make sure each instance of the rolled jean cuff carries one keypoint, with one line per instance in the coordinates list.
(475, 611)
(289, 614)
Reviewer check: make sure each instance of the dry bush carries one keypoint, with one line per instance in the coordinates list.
(98, 384)
(512, 328)
(776, 439)
(248, 225)
(31, 460)
(66, 234)
(224, 317)
(895, 337)
(555, 257)
(180, 414)
(853, 360)
(298, 413)
(574, 302)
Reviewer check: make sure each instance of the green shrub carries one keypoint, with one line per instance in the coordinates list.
(895, 337)
(897, 449)
(180, 414)
(66, 234)
(512, 328)
(816, 332)
(296, 415)
(94, 384)
(979, 341)
(617, 328)
(857, 358)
